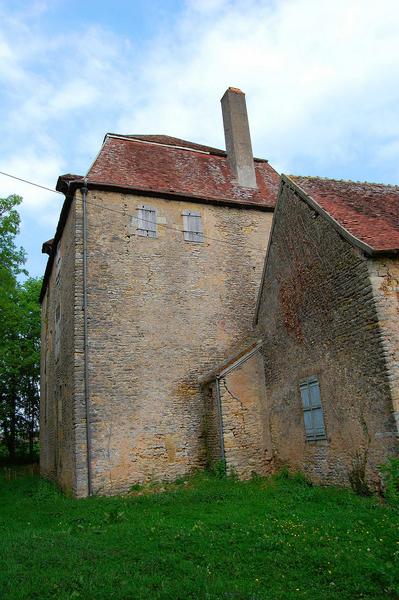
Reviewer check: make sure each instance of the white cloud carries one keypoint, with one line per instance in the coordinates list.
(320, 78)
(40, 207)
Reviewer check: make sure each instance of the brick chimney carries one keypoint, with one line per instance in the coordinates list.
(238, 139)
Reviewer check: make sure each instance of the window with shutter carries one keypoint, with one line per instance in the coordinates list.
(146, 221)
(312, 410)
(192, 226)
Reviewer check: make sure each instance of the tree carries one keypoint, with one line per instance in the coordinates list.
(19, 336)
(29, 358)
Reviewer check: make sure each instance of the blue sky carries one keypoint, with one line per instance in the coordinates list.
(321, 79)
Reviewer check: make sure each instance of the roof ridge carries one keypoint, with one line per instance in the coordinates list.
(171, 141)
(333, 179)
(191, 146)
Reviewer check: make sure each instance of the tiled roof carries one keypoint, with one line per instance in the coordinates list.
(368, 211)
(169, 165)
(168, 140)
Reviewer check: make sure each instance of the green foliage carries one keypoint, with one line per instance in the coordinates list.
(19, 339)
(11, 257)
(218, 469)
(212, 538)
(284, 474)
(357, 475)
(390, 472)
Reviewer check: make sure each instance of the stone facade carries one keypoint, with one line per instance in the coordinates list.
(319, 317)
(240, 415)
(58, 368)
(162, 312)
(384, 277)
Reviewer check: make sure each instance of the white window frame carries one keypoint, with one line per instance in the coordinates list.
(146, 221)
(192, 226)
(312, 410)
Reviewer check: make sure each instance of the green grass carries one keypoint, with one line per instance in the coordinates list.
(208, 538)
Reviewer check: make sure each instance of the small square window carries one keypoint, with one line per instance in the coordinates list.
(312, 410)
(146, 221)
(192, 226)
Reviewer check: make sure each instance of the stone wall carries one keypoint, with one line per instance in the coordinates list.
(162, 313)
(318, 318)
(384, 276)
(246, 435)
(57, 418)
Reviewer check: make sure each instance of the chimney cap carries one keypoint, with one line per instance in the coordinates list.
(234, 90)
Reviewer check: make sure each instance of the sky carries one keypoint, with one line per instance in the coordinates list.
(321, 80)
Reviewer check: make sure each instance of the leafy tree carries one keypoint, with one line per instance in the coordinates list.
(11, 257)
(19, 336)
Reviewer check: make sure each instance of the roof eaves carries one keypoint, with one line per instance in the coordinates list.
(65, 186)
(355, 241)
(230, 365)
(262, 281)
(68, 186)
(170, 195)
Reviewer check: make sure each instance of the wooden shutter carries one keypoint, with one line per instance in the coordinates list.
(192, 226)
(146, 221)
(312, 410)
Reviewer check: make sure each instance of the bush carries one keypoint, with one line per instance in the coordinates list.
(284, 474)
(218, 469)
(357, 475)
(390, 475)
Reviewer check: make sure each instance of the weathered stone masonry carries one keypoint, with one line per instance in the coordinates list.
(162, 313)
(318, 317)
(57, 415)
(238, 419)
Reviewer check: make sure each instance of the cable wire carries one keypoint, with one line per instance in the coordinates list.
(126, 214)
(31, 183)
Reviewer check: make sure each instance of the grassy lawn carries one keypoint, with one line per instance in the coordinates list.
(206, 538)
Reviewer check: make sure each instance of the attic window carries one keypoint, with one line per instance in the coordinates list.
(146, 221)
(312, 410)
(192, 226)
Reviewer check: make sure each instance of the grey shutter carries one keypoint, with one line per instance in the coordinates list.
(146, 221)
(305, 396)
(312, 410)
(192, 226)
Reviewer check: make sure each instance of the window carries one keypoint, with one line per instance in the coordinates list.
(57, 331)
(58, 263)
(146, 221)
(192, 226)
(312, 410)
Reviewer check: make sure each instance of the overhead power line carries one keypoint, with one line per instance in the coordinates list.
(43, 187)
(126, 214)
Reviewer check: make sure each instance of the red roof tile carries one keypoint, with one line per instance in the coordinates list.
(368, 211)
(168, 140)
(154, 163)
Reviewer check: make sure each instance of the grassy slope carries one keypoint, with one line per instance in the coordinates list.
(211, 538)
